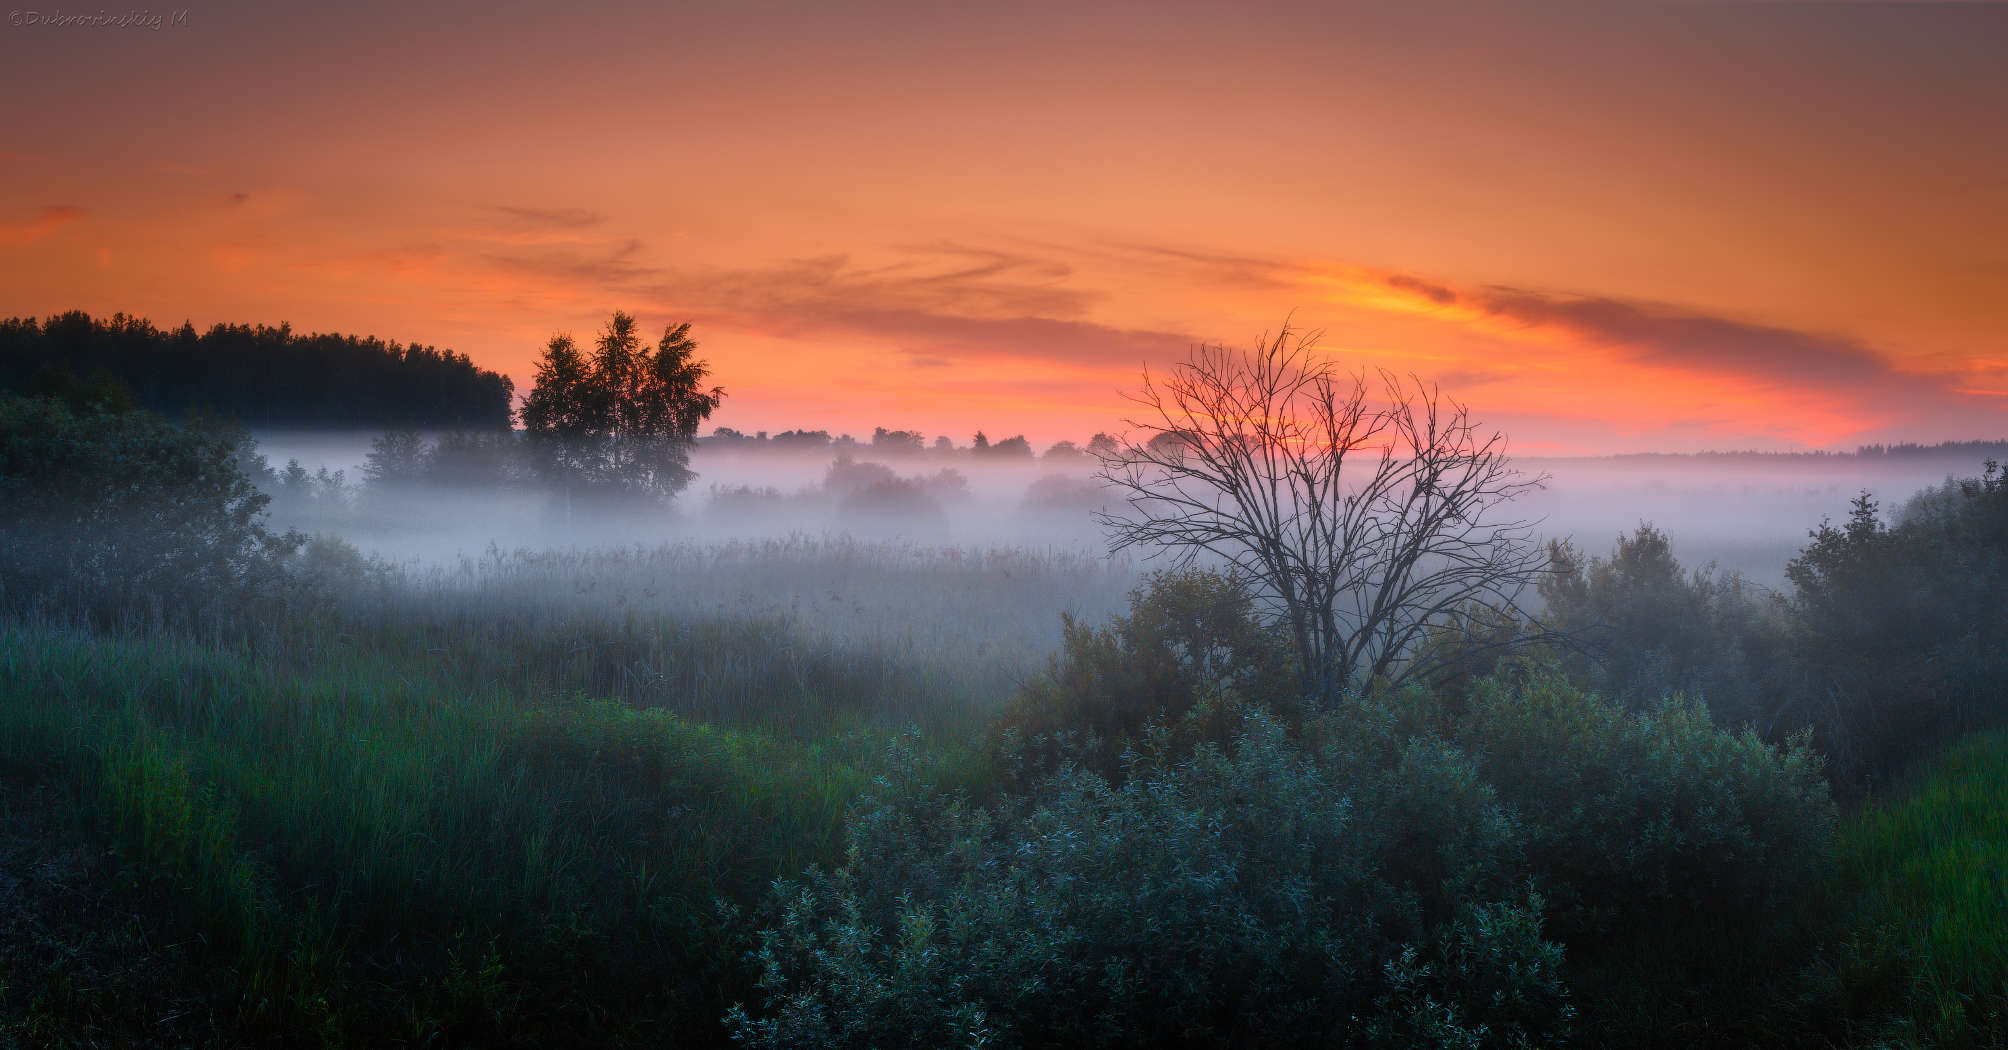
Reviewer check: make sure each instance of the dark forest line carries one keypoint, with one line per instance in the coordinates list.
(257, 375)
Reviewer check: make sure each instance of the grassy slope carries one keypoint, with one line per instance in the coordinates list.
(1932, 864)
(379, 858)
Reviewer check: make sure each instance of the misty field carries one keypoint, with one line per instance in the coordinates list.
(887, 752)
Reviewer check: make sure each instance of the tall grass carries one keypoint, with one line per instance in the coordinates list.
(1932, 865)
(385, 860)
(750, 630)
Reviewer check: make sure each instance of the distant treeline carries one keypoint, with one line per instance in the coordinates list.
(1968, 451)
(907, 443)
(257, 375)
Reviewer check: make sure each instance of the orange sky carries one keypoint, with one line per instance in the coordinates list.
(1607, 228)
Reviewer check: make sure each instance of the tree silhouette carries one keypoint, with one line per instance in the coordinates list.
(620, 423)
(257, 375)
(1365, 526)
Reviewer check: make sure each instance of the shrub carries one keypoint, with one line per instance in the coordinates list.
(108, 509)
(1191, 648)
(1639, 628)
(1229, 897)
(1903, 629)
(1675, 856)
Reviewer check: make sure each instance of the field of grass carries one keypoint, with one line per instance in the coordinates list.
(378, 856)
(541, 798)
(1932, 865)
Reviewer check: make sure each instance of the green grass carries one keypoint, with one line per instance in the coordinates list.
(382, 856)
(1932, 866)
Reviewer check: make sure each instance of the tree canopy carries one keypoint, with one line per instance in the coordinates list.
(258, 375)
(619, 422)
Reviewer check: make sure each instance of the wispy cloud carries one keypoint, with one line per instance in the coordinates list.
(552, 218)
(48, 220)
(938, 303)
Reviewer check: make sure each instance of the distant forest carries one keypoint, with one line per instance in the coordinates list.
(257, 375)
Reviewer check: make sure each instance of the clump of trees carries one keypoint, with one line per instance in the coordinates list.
(619, 422)
(1890, 639)
(1168, 859)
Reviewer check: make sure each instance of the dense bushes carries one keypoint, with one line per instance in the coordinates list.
(1892, 639)
(1903, 629)
(1231, 897)
(1271, 885)
(109, 509)
(1639, 627)
(1191, 650)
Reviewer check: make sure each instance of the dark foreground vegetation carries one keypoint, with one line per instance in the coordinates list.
(256, 789)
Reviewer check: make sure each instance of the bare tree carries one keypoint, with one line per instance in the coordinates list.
(1366, 522)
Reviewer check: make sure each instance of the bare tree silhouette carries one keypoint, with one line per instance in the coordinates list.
(1366, 522)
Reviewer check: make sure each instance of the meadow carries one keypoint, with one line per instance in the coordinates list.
(846, 788)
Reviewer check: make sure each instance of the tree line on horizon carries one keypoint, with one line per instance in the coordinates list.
(909, 443)
(256, 375)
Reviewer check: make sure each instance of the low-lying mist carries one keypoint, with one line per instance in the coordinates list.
(1744, 513)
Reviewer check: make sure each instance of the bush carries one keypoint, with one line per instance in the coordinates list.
(108, 510)
(1190, 650)
(1230, 897)
(1903, 630)
(1676, 857)
(1640, 628)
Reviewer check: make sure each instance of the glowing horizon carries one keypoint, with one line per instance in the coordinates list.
(1667, 227)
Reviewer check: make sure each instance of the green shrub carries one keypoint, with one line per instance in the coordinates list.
(1903, 629)
(1190, 650)
(1231, 896)
(1677, 858)
(108, 510)
(1637, 627)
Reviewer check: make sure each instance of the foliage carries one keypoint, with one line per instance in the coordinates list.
(1226, 898)
(1903, 630)
(1930, 880)
(118, 511)
(396, 457)
(1189, 650)
(258, 375)
(373, 854)
(1674, 855)
(1640, 628)
(620, 424)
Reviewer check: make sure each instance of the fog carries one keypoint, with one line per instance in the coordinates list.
(1744, 513)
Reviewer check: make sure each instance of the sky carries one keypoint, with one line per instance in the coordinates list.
(1605, 228)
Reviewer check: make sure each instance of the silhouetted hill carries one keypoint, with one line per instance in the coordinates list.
(259, 375)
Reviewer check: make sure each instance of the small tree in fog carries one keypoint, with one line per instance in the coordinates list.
(398, 456)
(1367, 514)
(620, 422)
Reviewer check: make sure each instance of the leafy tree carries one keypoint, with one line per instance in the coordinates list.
(1640, 627)
(396, 457)
(104, 510)
(1012, 448)
(1902, 630)
(898, 442)
(620, 422)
